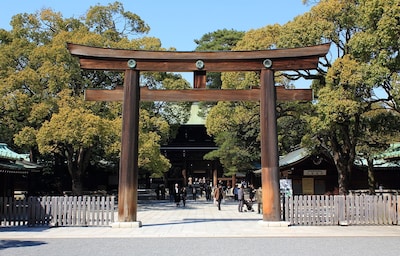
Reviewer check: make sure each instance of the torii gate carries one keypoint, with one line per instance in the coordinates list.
(132, 62)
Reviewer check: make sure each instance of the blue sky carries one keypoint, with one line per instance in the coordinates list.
(175, 22)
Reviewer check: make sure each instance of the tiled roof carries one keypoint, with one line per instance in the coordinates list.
(390, 158)
(14, 163)
(294, 157)
(7, 153)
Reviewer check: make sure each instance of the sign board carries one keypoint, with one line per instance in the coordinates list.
(314, 172)
(285, 186)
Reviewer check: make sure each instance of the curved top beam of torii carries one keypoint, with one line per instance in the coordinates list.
(117, 59)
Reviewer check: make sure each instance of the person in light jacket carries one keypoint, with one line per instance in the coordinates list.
(241, 198)
(259, 199)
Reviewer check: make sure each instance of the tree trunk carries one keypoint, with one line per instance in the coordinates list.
(343, 150)
(371, 176)
(343, 176)
(77, 187)
(77, 163)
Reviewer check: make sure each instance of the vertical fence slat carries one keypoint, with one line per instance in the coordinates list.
(286, 205)
(97, 204)
(112, 208)
(90, 211)
(2, 211)
(397, 221)
(85, 215)
(295, 210)
(302, 209)
(64, 211)
(56, 214)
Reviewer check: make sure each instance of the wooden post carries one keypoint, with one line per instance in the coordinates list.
(215, 177)
(269, 148)
(128, 173)
(200, 79)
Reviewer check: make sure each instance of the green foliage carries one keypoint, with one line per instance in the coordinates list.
(365, 49)
(102, 20)
(42, 85)
(365, 36)
(236, 125)
(236, 129)
(260, 39)
(70, 129)
(153, 131)
(219, 40)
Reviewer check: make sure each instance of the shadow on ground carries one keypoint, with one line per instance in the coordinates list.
(5, 244)
(191, 221)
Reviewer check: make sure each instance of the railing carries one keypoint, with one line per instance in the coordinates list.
(297, 210)
(342, 210)
(57, 211)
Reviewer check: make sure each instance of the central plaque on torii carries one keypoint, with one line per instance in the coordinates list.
(132, 62)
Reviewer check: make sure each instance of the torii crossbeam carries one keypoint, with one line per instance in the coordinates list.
(132, 62)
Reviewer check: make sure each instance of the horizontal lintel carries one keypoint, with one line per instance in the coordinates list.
(196, 95)
(209, 66)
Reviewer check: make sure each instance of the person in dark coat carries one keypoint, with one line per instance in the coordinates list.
(162, 189)
(183, 196)
(194, 192)
(177, 195)
(208, 193)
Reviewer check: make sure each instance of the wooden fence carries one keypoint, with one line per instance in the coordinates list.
(298, 210)
(57, 211)
(342, 210)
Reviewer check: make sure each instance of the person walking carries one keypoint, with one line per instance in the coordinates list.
(162, 188)
(259, 200)
(194, 192)
(252, 192)
(177, 195)
(241, 198)
(183, 196)
(218, 195)
(235, 192)
(208, 193)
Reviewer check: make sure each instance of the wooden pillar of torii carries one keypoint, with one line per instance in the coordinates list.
(132, 62)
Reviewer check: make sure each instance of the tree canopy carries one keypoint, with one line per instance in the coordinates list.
(356, 88)
(42, 85)
(360, 76)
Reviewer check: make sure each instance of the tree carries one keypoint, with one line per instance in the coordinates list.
(365, 37)
(379, 131)
(42, 85)
(72, 134)
(236, 125)
(219, 40)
